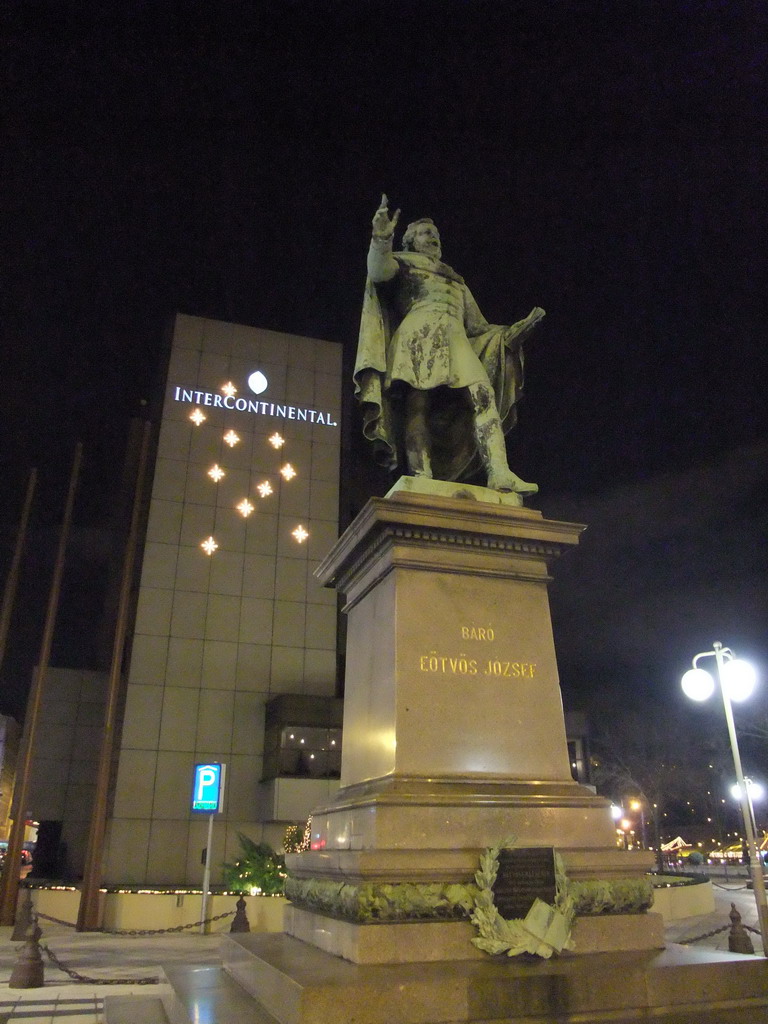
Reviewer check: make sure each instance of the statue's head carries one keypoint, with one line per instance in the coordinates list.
(423, 236)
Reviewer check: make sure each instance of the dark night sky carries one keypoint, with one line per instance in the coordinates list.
(605, 160)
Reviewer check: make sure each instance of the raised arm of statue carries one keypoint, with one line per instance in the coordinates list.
(383, 225)
(381, 264)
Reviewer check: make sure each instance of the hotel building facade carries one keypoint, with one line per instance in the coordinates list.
(234, 640)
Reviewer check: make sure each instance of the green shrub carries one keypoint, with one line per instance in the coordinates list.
(258, 870)
(694, 857)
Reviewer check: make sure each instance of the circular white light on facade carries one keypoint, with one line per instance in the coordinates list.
(698, 684)
(257, 382)
(739, 679)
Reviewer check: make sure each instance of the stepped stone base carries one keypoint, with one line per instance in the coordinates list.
(455, 866)
(430, 941)
(400, 942)
(419, 813)
(300, 984)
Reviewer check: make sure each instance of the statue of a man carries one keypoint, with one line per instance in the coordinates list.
(436, 381)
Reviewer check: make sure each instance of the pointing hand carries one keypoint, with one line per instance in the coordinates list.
(383, 226)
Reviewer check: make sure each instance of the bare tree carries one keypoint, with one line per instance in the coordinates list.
(659, 758)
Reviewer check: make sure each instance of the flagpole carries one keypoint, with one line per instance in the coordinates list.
(89, 913)
(11, 584)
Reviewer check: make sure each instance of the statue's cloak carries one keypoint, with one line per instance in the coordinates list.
(385, 364)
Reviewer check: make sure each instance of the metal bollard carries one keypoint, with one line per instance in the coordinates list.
(28, 969)
(240, 921)
(24, 915)
(738, 940)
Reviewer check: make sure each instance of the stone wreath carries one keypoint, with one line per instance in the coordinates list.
(546, 928)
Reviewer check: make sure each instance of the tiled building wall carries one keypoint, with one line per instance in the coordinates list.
(62, 783)
(217, 635)
(9, 751)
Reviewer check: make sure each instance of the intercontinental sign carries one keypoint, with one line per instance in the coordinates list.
(258, 383)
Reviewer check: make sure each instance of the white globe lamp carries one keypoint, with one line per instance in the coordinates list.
(698, 684)
(739, 679)
(755, 789)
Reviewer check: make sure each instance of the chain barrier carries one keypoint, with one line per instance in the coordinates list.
(717, 931)
(83, 979)
(729, 888)
(706, 935)
(56, 920)
(143, 931)
(167, 931)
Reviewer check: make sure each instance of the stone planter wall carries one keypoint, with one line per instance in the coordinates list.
(153, 911)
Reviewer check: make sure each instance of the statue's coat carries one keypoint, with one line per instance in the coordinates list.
(425, 329)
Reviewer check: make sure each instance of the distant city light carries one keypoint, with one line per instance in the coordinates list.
(288, 472)
(264, 489)
(276, 441)
(229, 389)
(245, 507)
(231, 438)
(300, 534)
(209, 546)
(216, 473)
(198, 417)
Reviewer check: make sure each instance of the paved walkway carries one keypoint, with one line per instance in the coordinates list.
(193, 963)
(64, 1001)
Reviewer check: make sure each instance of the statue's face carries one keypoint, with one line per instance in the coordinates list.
(426, 239)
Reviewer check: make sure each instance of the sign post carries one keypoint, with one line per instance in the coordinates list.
(208, 798)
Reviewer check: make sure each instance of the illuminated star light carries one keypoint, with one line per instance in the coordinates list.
(300, 534)
(288, 472)
(209, 546)
(276, 440)
(231, 438)
(198, 417)
(264, 489)
(216, 473)
(245, 507)
(229, 389)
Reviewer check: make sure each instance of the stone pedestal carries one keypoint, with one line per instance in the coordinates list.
(454, 737)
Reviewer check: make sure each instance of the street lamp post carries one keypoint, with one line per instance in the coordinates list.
(626, 828)
(736, 680)
(637, 805)
(754, 792)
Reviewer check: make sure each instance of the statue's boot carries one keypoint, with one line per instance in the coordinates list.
(506, 481)
(493, 452)
(419, 463)
(417, 434)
